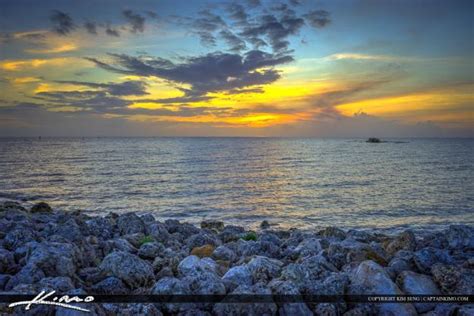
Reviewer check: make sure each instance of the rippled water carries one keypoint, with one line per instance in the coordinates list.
(294, 182)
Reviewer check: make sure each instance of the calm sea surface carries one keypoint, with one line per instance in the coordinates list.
(293, 182)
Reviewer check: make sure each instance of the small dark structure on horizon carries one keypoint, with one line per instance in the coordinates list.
(373, 140)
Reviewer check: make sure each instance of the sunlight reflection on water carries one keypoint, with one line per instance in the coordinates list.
(294, 182)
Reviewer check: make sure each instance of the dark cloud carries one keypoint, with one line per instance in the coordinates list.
(205, 25)
(184, 99)
(62, 22)
(97, 101)
(91, 27)
(209, 73)
(295, 2)
(109, 30)
(132, 87)
(237, 12)
(275, 29)
(350, 93)
(254, 3)
(152, 14)
(245, 90)
(236, 43)
(136, 21)
(318, 18)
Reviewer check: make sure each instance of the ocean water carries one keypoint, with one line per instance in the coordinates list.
(304, 183)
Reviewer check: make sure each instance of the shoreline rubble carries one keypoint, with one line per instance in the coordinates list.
(75, 253)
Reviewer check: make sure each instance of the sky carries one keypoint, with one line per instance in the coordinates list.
(290, 68)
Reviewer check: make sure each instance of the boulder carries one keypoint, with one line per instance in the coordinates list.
(224, 309)
(130, 223)
(132, 270)
(158, 231)
(110, 286)
(193, 265)
(212, 225)
(280, 287)
(224, 253)
(172, 286)
(205, 283)
(460, 236)
(412, 283)
(264, 269)
(150, 250)
(41, 207)
(425, 258)
(404, 241)
(369, 278)
(453, 279)
(201, 239)
(237, 276)
(333, 232)
(306, 248)
(61, 285)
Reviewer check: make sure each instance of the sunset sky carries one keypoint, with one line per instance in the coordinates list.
(236, 68)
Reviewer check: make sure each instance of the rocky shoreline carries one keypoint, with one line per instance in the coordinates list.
(74, 253)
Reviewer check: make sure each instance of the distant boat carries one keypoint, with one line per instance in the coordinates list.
(373, 140)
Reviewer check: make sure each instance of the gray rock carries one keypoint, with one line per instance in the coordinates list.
(124, 245)
(205, 283)
(249, 309)
(55, 259)
(466, 310)
(333, 232)
(280, 287)
(70, 230)
(236, 276)
(158, 231)
(41, 207)
(401, 263)
(11, 206)
(223, 253)
(130, 223)
(443, 310)
(101, 227)
(147, 218)
(306, 248)
(150, 250)
(404, 241)
(326, 309)
(418, 284)
(264, 225)
(298, 274)
(318, 265)
(193, 265)
(29, 274)
(18, 237)
(212, 224)
(110, 286)
(425, 258)
(231, 233)
(370, 278)
(61, 285)
(7, 261)
(264, 269)
(4, 278)
(172, 286)
(460, 236)
(201, 239)
(132, 270)
(334, 284)
(453, 279)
